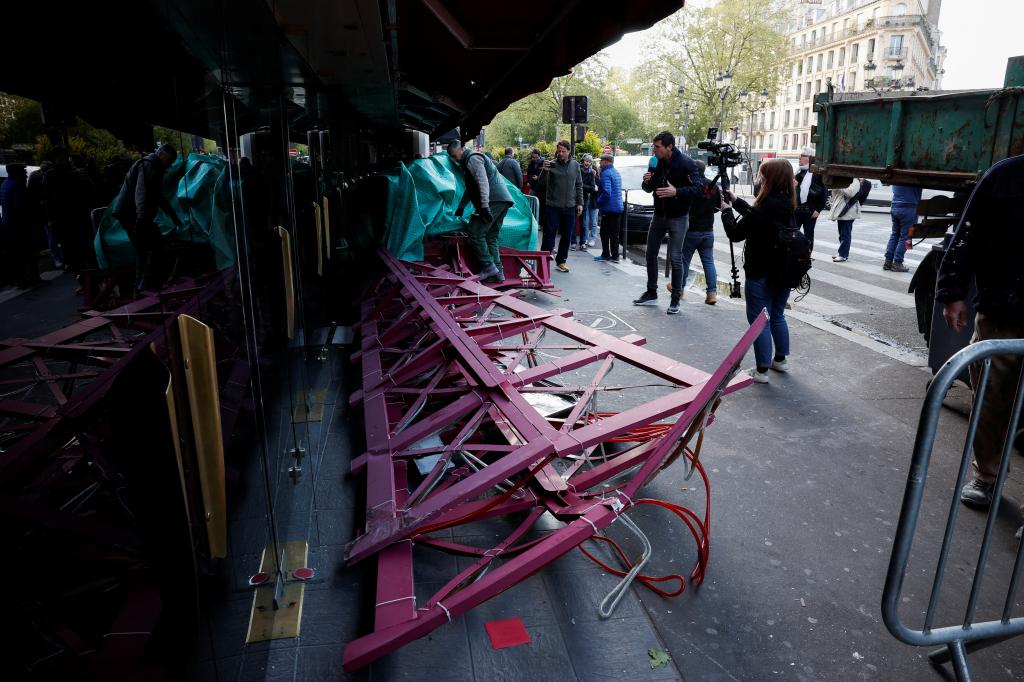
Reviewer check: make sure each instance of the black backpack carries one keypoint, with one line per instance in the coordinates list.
(862, 194)
(791, 256)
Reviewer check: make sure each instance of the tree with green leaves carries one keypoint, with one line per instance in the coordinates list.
(745, 38)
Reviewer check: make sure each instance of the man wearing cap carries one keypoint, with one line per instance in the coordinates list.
(589, 175)
(491, 201)
(609, 200)
(136, 206)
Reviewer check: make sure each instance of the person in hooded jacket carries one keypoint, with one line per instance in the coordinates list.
(775, 203)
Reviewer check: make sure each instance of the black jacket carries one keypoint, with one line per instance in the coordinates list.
(590, 180)
(509, 167)
(704, 207)
(533, 172)
(988, 246)
(142, 193)
(759, 227)
(681, 172)
(817, 195)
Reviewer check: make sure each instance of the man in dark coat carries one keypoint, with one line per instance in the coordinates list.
(509, 168)
(136, 206)
(812, 197)
(675, 183)
(986, 248)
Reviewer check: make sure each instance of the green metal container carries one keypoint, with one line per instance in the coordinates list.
(943, 140)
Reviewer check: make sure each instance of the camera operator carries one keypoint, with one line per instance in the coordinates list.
(812, 195)
(775, 203)
(675, 182)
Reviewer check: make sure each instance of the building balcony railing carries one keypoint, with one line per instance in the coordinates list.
(894, 53)
(906, 21)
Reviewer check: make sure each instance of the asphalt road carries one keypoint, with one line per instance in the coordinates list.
(857, 296)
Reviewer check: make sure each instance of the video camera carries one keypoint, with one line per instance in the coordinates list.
(720, 154)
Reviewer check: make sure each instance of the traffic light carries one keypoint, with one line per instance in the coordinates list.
(574, 109)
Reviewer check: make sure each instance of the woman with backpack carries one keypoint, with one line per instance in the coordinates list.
(767, 227)
(846, 205)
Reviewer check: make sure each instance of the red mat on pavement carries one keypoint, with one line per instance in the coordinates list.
(507, 633)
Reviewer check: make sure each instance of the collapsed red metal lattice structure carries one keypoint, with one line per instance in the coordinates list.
(93, 512)
(451, 373)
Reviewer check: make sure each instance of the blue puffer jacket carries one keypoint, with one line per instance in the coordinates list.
(609, 195)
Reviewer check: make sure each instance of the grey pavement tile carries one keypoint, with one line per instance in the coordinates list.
(577, 596)
(323, 664)
(433, 565)
(544, 658)
(528, 601)
(443, 654)
(615, 650)
(336, 615)
(335, 526)
(334, 490)
(274, 665)
(331, 572)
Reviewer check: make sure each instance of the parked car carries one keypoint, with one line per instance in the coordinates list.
(638, 204)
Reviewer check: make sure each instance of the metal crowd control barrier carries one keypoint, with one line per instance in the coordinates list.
(534, 203)
(957, 640)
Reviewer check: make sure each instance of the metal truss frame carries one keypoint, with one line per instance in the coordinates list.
(452, 439)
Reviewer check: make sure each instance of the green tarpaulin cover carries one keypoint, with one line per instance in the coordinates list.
(198, 189)
(422, 198)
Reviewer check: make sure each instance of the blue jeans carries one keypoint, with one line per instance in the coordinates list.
(676, 228)
(589, 233)
(561, 222)
(761, 295)
(845, 237)
(704, 244)
(902, 219)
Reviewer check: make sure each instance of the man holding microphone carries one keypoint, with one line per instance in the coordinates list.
(675, 182)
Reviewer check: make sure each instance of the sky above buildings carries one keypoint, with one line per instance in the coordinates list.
(980, 35)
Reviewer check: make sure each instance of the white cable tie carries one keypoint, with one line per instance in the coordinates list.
(395, 601)
(446, 611)
(617, 506)
(591, 524)
(496, 552)
(627, 498)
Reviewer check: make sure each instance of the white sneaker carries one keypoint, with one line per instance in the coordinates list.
(781, 365)
(758, 377)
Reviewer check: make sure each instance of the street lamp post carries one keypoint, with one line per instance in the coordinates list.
(757, 103)
(723, 80)
(681, 115)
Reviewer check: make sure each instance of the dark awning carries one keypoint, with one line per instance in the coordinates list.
(430, 65)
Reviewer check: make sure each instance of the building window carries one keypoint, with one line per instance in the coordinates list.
(807, 116)
(821, 58)
(785, 141)
(771, 141)
(785, 123)
(797, 92)
(860, 21)
(899, 10)
(851, 82)
(842, 56)
(803, 41)
(817, 87)
(871, 49)
(814, 37)
(854, 51)
(772, 126)
(803, 140)
(807, 90)
(831, 58)
(762, 121)
(800, 68)
(895, 47)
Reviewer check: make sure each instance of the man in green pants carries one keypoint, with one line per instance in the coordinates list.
(485, 187)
